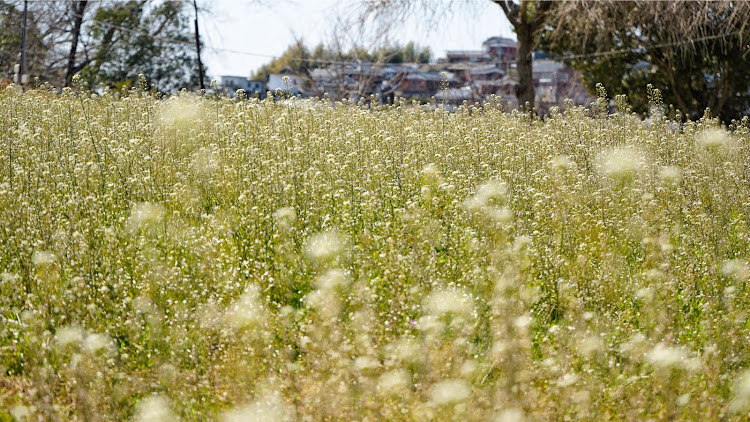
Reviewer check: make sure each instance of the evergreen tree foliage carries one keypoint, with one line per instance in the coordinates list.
(106, 43)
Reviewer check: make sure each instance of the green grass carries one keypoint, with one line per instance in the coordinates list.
(216, 259)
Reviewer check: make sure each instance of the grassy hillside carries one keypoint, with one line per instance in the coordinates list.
(208, 259)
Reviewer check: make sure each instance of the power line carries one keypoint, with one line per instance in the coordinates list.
(375, 64)
(561, 57)
(232, 51)
(642, 50)
(223, 50)
(564, 56)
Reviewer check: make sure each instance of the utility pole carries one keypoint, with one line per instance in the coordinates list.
(198, 46)
(23, 43)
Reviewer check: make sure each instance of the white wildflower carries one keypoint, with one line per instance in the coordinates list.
(430, 324)
(145, 215)
(430, 175)
(247, 310)
(521, 244)
(713, 140)
(653, 275)
(450, 392)
(69, 335)
(621, 164)
(204, 163)
(645, 294)
(663, 356)
(510, 415)
(561, 163)
(730, 292)
(393, 382)
(590, 345)
(567, 380)
(634, 345)
(41, 258)
(154, 408)
(741, 399)
(449, 301)
(492, 192)
(332, 280)
(270, 408)
(180, 112)
(670, 175)
(683, 400)
(21, 413)
(325, 302)
(7, 277)
(503, 215)
(96, 343)
(405, 351)
(523, 322)
(736, 268)
(285, 217)
(468, 369)
(324, 247)
(366, 364)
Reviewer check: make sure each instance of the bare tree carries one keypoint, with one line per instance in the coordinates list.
(697, 50)
(528, 18)
(356, 63)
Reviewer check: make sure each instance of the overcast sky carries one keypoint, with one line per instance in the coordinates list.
(256, 32)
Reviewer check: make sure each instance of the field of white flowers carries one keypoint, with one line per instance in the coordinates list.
(197, 259)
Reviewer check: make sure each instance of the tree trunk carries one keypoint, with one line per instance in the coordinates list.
(526, 22)
(525, 87)
(78, 7)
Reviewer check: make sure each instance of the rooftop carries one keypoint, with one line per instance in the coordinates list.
(500, 41)
(475, 53)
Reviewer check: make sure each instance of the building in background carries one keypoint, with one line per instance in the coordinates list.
(501, 49)
(288, 82)
(230, 84)
(462, 76)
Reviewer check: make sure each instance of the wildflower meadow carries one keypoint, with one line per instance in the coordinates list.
(199, 258)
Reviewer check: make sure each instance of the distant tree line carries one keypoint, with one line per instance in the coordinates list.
(104, 42)
(301, 60)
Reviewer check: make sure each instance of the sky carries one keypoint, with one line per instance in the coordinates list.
(257, 30)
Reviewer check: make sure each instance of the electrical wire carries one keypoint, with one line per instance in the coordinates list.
(642, 50)
(376, 64)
